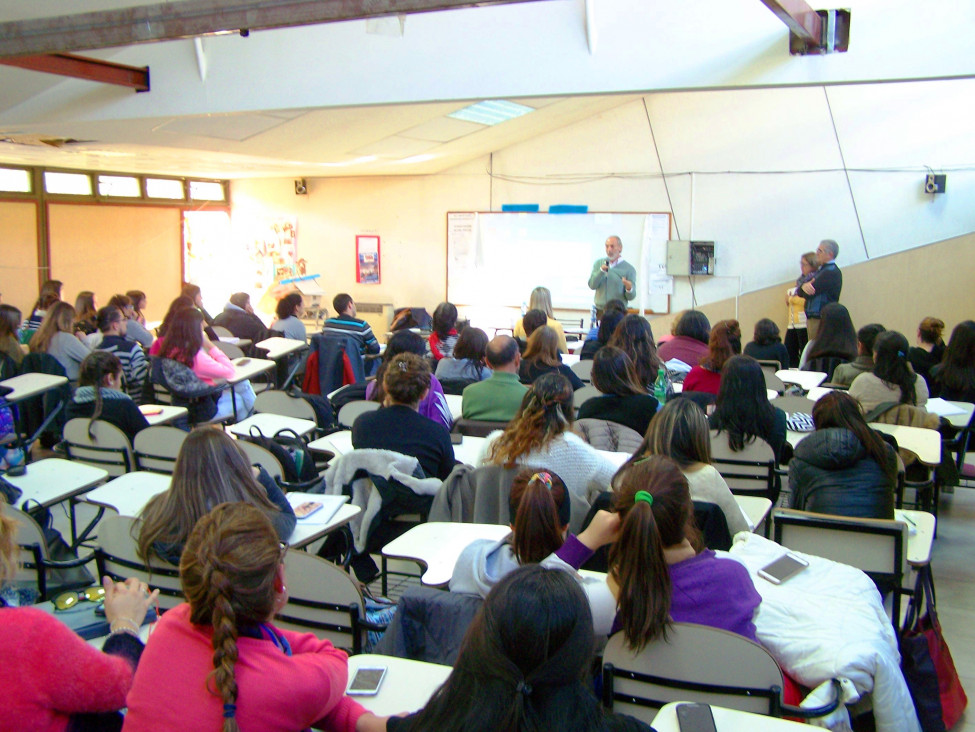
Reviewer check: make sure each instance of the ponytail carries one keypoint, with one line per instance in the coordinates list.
(891, 365)
(96, 366)
(539, 508)
(224, 625)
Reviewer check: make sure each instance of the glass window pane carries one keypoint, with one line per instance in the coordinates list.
(201, 190)
(119, 185)
(77, 184)
(14, 180)
(165, 188)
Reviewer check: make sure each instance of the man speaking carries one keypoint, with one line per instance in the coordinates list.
(612, 278)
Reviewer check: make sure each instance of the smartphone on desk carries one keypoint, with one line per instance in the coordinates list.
(366, 681)
(456, 438)
(695, 718)
(783, 568)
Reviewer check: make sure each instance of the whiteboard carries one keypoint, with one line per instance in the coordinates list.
(497, 259)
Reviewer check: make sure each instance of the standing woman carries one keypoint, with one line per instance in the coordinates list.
(288, 322)
(542, 357)
(138, 298)
(50, 294)
(624, 399)
(930, 348)
(9, 328)
(835, 342)
(444, 334)
(56, 337)
(633, 335)
(955, 375)
(218, 662)
(86, 312)
(541, 299)
(100, 395)
(892, 378)
(724, 343)
(796, 335)
(744, 411)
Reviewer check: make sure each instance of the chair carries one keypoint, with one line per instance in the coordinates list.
(116, 557)
(583, 395)
(603, 434)
(456, 386)
(876, 546)
(583, 369)
(477, 427)
(339, 362)
(156, 448)
(107, 447)
(221, 332)
(710, 519)
(175, 383)
(351, 411)
(958, 445)
(772, 381)
(35, 568)
(750, 471)
(825, 364)
(43, 414)
(924, 479)
(262, 457)
(273, 401)
(324, 600)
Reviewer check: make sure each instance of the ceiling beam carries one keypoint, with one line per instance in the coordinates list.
(188, 18)
(82, 67)
(799, 17)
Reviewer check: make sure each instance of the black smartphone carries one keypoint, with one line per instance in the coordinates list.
(456, 438)
(695, 718)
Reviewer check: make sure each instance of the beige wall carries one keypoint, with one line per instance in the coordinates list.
(18, 263)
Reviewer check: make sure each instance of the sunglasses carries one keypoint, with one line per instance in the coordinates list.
(68, 600)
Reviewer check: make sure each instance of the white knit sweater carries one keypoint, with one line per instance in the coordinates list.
(706, 484)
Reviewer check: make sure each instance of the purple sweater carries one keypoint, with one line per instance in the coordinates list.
(434, 405)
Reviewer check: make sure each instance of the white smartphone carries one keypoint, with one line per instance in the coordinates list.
(783, 568)
(366, 681)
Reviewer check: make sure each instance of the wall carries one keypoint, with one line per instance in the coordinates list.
(18, 265)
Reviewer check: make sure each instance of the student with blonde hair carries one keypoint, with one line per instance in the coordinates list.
(56, 337)
(542, 357)
(541, 299)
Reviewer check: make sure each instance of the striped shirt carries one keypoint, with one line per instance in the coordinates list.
(358, 329)
(134, 363)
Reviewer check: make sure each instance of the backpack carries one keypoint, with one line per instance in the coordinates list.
(297, 463)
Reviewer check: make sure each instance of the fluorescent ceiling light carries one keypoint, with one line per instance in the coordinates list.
(491, 112)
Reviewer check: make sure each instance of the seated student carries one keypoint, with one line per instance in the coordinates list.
(657, 567)
(892, 378)
(56, 337)
(86, 310)
(530, 322)
(50, 293)
(680, 432)
(444, 334)
(623, 400)
(288, 323)
(540, 509)
(541, 299)
(611, 319)
(99, 395)
(767, 345)
(134, 329)
(434, 405)
(210, 469)
(834, 344)
(498, 398)
(467, 363)
(399, 427)
(724, 343)
(194, 293)
(690, 342)
(930, 348)
(112, 328)
(346, 323)
(954, 377)
(634, 336)
(844, 467)
(743, 410)
(9, 329)
(845, 373)
(540, 435)
(53, 680)
(523, 664)
(238, 317)
(218, 659)
(139, 303)
(542, 357)
(180, 303)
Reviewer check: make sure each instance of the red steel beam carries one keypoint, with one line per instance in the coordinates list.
(800, 18)
(82, 67)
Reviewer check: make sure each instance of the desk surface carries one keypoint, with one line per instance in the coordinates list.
(407, 687)
(270, 424)
(53, 480)
(278, 347)
(924, 443)
(128, 494)
(958, 414)
(805, 379)
(168, 413)
(340, 443)
(437, 545)
(26, 386)
(456, 403)
(727, 720)
(252, 367)
(755, 509)
(920, 535)
(314, 527)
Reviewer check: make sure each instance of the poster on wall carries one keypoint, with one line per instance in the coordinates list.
(367, 260)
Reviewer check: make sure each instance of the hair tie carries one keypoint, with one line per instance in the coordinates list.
(901, 354)
(402, 365)
(545, 478)
(645, 496)
(524, 688)
(229, 711)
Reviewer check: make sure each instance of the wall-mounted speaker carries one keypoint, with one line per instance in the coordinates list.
(935, 183)
(301, 188)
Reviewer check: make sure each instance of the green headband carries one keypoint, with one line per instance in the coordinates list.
(643, 496)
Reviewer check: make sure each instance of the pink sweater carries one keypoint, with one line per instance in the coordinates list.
(208, 366)
(275, 691)
(49, 673)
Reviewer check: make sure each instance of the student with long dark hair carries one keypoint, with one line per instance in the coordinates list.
(955, 375)
(930, 348)
(288, 322)
(467, 361)
(892, 378)
(542, 357)
(195, 295)
(634, 336)
(690, 342)
(767, 345)
(835, 341)
(607, 326)
(139, 303)
(725, 342)
(524, 665)
(180, 303)
(9, 327)
(444, 334)
(56, 337)
(50, 293)
(86, 311)
(844, 467)
(218, 659)
(624, 399)
(100, 395)
(845, 373)
(657, 567)
(743, 409)
(434, 405)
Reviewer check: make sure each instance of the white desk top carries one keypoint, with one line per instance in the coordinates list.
(755, 508)
(455, 402)
(924, 443)
(570, 358)
(235, 341)
(469, 449)
(805, 379)
(278, 347)
(407, 687)
(168, 414)
(958, 414)
(26, 386)
(437, 545)
(253, 367)
(269, 424)
(920, 535)
(340, 443)
(318, 524)
(726, 720)
(128, 494)
(54, 480)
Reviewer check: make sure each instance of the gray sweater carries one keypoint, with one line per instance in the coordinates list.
(69, 352)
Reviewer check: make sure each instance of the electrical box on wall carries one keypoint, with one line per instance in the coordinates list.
(686, 258)
(935, 183)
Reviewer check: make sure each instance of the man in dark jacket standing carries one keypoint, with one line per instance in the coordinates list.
(824, 288)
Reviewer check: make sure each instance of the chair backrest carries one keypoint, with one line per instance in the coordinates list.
(606, 435)
(876, 546)
(792, 404)
(350, 412)
(258, 455)
(584, 394)
(750, 471)
(772, 381)
(107, 448)
(477, 427)
(456, 386)
(274, 401)
(324, 600)
(222, 332)
(696, 663)
(583, 369)
(117, 558)
(230, 350)
(32, 547)
(157, 447)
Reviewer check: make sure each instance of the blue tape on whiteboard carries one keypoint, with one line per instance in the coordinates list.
(566, 208)
(520, 208)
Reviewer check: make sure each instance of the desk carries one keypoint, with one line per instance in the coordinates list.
(924, 443)
(921, 528)
(407, 687)
(725, 720)
(437, 545)
(313, 527)
(958, 414)
(235, 341)
(168, 413)
(24, 387)
(128, 494)
(570, 359)
(340, 443)
(279, 349)
(805, 379)
(252, 367)
(455, 402)
(755, 509)
(270, 424)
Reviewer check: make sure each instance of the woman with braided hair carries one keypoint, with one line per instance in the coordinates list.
(100, 395)
(540, 436)
(218, 660)
(523, 665)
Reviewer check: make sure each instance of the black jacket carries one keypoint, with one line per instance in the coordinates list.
(634, 410)
(243, 325)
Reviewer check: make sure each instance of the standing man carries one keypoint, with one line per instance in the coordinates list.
(824, 288)
(612, 278)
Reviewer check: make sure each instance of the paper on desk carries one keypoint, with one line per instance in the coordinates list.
(229, 339)
(939, 406)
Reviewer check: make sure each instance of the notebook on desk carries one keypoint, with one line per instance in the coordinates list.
(325, 514)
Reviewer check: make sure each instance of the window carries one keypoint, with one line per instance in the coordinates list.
(201, 190)
(75, 184)
(14, 180)
(119, 185)
(165, 188)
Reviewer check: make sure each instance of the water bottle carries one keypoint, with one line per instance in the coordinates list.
(660, 386)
